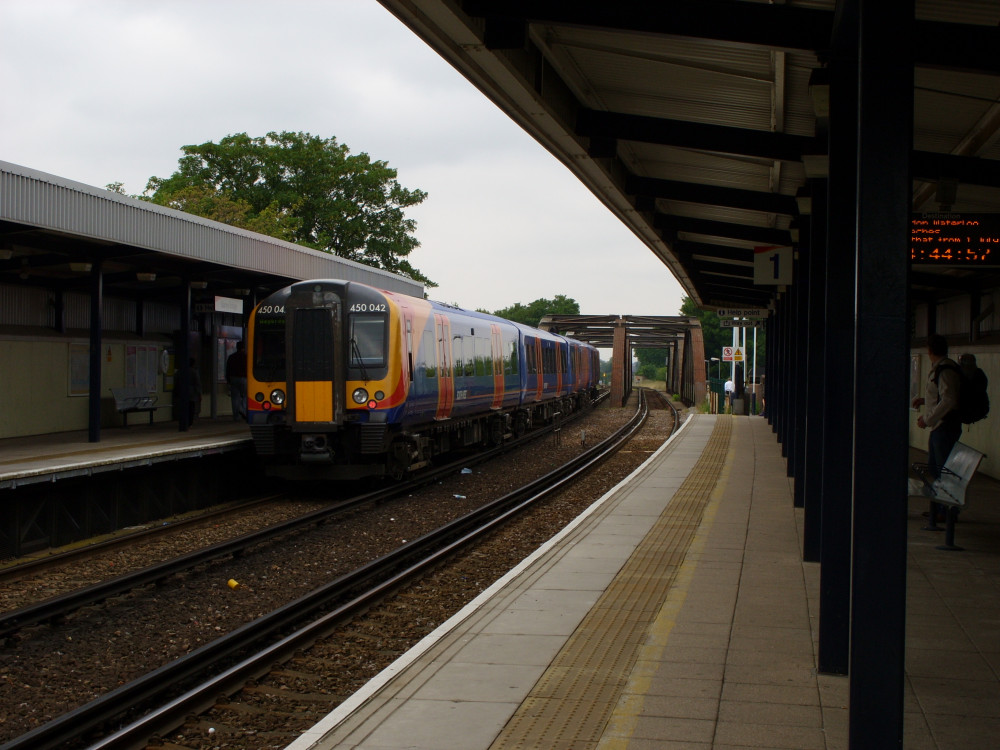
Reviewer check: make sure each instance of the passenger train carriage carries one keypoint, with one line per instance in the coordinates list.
(347, 381)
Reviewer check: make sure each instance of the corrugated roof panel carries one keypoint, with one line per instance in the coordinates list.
(39, 199)
(719, 213)
(951, 106)
(981, 12)
(685, 165)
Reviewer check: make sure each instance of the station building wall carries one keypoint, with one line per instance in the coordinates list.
(44, 372)
(953, 318)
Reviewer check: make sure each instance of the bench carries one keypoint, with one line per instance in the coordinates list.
(133, 398)
(948, 489)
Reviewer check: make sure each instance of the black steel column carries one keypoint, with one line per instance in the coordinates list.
(802, 265)
(769, 367)
(815, 370)
(838, 410)
(878, 611)
(786, 373)
(776, 370)
(182, 370)
(96, 345)
(792, 368)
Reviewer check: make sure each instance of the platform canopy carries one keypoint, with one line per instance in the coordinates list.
(700, 124)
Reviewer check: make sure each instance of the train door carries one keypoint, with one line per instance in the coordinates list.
(446, 378)
(540, 365)
(496, 361)
(560, 366)
(312, 381)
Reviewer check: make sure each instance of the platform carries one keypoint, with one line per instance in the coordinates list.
(676, 613)
(48, 458)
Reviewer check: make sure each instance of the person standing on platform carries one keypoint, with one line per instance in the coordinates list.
(730, 388)
(236, 376)
(943, 389)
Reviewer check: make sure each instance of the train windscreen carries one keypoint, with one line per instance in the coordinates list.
(367, 341)
(269, 348)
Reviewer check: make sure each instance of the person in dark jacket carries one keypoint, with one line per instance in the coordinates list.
(236, 376)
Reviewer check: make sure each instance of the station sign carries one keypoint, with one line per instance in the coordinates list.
(733, 354)
(748, 312)
(741, 323)
(220, 304)
(772, 265)
(950, 239)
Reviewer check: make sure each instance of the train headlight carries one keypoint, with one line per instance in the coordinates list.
(379, 395)
(277, 397)
(360, 395)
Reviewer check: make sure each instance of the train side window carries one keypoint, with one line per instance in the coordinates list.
(456, 356)
(511, 367)
(529, 355)
(482, 356)
(430, 355)
(469, 350)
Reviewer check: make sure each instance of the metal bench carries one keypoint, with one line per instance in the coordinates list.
(133, 398)
(948, 489)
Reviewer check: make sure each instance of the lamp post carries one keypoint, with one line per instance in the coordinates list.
(716, 359)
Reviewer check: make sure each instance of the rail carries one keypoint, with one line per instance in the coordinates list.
(57, 607)
(309, 617)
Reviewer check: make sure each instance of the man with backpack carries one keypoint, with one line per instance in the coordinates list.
(942, 418)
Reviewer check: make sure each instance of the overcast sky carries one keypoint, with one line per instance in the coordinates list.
(103, 91)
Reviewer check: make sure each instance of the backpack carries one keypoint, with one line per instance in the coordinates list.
(973, 400)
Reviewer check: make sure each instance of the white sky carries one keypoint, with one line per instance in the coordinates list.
(102, 91)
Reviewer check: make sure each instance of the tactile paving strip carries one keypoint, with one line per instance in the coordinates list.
(572, 701)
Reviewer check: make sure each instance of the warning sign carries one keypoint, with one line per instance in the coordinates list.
(733, 354)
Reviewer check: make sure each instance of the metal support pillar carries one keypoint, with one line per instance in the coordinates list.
(878, 581)
(769, 329)
(815, 386)
(96, 347)
(792, 382)
(781, 349)
(838, 410)
(801, 349)
(182, 372)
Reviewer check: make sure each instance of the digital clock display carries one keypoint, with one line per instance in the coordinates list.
(947, 239)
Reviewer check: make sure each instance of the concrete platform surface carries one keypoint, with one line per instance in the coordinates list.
(25, 460)
(677, 613)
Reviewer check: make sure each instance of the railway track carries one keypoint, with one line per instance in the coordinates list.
(337, 601)
(58, 607)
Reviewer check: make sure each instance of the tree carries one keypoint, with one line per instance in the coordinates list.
(716, 337)
(301, 188)
(531, 314)
(711, 331)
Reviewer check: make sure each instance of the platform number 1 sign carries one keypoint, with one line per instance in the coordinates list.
(772, 265)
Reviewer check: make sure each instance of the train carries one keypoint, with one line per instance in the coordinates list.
(346, 381)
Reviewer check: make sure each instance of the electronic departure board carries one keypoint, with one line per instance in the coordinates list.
(947, 239)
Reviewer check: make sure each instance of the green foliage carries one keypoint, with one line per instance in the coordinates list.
(651, 358)
(712, 333)
(531, 314)
(301, 188)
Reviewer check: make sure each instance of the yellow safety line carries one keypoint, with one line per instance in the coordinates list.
(623, 720)
(573, 701)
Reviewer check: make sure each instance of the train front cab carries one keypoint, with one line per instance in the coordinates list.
(321, 381)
